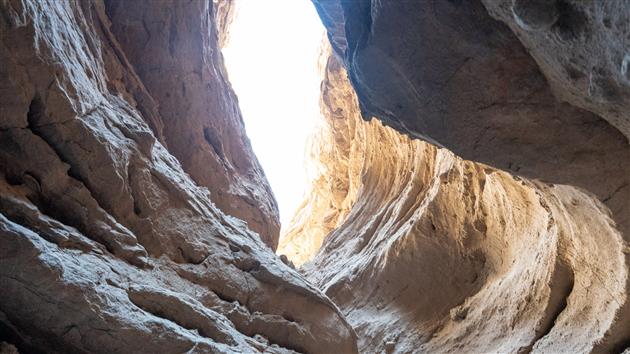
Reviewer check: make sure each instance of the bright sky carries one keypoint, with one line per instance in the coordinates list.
(271, 59)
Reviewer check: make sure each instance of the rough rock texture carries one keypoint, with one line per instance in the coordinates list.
(432, 253)
(134, 217)
(175, 51)
(224, 13)
(6, 348)
(543, 97)
(582, 47)
(106, 243)
(336, 152)
(447, 72)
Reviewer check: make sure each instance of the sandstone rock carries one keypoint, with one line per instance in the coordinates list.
(583, 49)
(224, 13)
(448, 73)
(6, 348)
(545, 98)
(176, 52)
(107, 245)
(336, 154)
(432, 253)
(134, 217)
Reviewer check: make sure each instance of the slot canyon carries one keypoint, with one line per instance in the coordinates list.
(470, 194)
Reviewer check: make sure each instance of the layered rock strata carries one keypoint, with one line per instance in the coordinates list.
(107, 243)
(534, 88)
(449, 73)
(135, 218)
(426, 252)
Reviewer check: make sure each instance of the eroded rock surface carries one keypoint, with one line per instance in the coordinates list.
(107, 244)
(337, 150)
(582, 47)
(431, 253)
(534, 88)
(176, 52)
(449, 73)
(123, 155)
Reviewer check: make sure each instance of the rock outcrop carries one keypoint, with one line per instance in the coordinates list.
(107, 243)
(544, 97)
(582, 47)
(449, 73)
(176, 53)
(483, 207)
(426, 252)
(336, 151)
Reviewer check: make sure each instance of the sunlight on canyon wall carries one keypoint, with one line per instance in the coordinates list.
(456, 254)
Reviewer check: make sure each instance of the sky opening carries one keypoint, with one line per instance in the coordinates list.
(271, 58)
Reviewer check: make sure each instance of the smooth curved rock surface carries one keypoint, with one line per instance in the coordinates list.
(450, 74)
(135, 218)
(543, 97)
(431, 253)
(107, 245)
(582, 47)
(335, 153)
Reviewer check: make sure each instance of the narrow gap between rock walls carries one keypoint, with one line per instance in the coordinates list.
(271, 57)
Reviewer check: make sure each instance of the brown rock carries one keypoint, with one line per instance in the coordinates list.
(176, 52)
(6, 348)
(583, 50)
(432, 253)
(106, 244)
(448, 73)
(135, 218)
(544, 97)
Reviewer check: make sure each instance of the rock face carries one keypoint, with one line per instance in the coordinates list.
(107, 243)
(582, 47)
(135, 218)
(543, 97)
(432, 253)
(448, 73)
(182, 69)
(337, 151)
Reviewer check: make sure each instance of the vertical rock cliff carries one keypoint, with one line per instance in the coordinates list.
(543, 98)
(449, 73)
(176, 53)
(122, 153)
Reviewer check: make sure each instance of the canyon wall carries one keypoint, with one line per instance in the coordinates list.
(122, 157)
(202, 123)
(426, 252)
(484, 207)
(335, 154)
(449, 73)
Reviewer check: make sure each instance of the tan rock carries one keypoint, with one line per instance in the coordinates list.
(432, 253)
(452, 75)
(107, 245)
(6, 348)
(135, 218)
(544, 97)
(583, 49)
(175, 50)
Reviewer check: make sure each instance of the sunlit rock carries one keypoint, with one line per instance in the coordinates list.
(426, 252)
(483, 207)
(115, 118)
